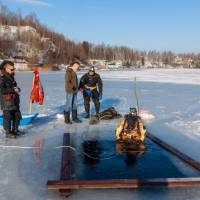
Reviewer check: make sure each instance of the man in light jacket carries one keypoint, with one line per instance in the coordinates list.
(71, 89)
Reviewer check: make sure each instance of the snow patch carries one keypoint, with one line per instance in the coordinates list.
(60, 116)
(42, 115)
(146, 115)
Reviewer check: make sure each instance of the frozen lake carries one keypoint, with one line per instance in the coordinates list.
(172, 96)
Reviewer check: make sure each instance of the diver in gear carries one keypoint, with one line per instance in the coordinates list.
(131, 128)
(91, 85)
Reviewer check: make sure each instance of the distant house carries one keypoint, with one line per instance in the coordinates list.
(178, 60)
(148, 64)
(115, 64)
(21, 66)
(20, 59)
(184, 62)
(20, 62)
(99, 64)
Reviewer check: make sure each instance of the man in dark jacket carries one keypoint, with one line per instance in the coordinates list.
(10, 100)
(71, 89)
(89, 83)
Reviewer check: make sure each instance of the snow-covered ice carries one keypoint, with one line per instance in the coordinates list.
(170, 104)
(146, 115)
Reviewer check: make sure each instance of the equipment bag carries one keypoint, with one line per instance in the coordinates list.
(109, 113)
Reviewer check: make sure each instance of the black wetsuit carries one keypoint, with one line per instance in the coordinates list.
(91, 82)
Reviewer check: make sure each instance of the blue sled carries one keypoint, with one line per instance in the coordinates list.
(26, 119)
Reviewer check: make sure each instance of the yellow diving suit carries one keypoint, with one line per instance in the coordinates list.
(131, 128)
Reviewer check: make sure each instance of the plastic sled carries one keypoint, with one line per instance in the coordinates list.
(26, 119)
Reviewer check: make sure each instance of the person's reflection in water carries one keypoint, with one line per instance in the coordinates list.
(131, 150)
(91, 152)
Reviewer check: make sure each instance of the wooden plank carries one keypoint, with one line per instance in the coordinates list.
(125, 183)
(193, 163)
(65, 164)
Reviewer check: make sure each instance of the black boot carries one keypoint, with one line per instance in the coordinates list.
(74, 117)
(7, 121)
(87, 116)
(87, 107)
(9, 134)
(16, 123)
(67, 117)
(97, 107)
(17, 132)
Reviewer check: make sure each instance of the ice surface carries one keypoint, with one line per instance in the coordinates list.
(170, 104)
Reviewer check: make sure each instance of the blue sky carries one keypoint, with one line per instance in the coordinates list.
(140, 24)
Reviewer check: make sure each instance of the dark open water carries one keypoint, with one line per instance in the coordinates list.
(106, 159)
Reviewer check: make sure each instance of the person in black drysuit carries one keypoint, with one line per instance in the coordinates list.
(9, 99)
(91, 84)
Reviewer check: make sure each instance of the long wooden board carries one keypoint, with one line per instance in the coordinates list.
(124, 183)
(65, 164)
(193, 163)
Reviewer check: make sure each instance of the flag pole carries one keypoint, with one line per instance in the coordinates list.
(30, 107)
(136, 96)
(30, 101)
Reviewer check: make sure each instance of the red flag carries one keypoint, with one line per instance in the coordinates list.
(37, 92)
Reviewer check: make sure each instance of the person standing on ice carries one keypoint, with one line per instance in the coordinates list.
(10, 99)
(89, 83)
(71, 89)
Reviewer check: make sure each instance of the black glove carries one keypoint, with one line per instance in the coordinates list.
(17, 89)
(100, 96)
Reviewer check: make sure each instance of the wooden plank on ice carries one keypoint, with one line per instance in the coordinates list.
(65, 164)
(124, 183)
(193, 163)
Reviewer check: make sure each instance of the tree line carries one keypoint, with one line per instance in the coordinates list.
(66, 49)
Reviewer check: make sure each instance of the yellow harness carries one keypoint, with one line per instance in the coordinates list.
(90, 87)
(137, 134)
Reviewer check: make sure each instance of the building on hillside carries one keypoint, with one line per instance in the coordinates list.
(99, 64)
(20, 62)
(115, 64)
(183, 62)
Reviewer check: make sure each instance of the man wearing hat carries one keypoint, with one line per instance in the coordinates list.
(9, 99)
(91, 84)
